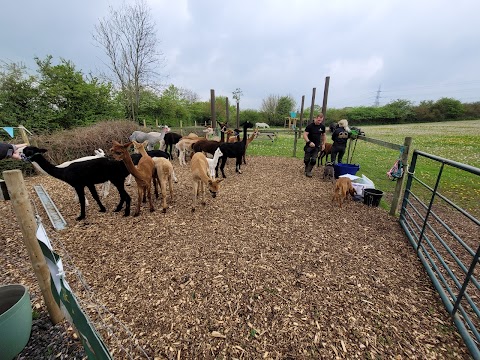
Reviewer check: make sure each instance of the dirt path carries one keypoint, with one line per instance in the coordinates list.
(263, 271)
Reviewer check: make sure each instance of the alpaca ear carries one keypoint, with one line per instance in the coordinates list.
(219, 180)
(145, 143)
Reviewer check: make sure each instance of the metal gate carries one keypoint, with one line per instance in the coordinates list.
(446, 238)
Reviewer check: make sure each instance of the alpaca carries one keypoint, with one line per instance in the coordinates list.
(152, 137)
(153, 154)
(324, 154)
(170, 140)
(85, 173)
(201, 178)
(262, 125)
(105, 186)
(249, 140)
(212, 163)
(234, 150)
(165, 174)
(233, 136)
(143, 172)
(184, 146)
(207, 146)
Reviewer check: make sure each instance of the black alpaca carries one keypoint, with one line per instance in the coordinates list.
(86, 173)
(171, 139)
(234, 150)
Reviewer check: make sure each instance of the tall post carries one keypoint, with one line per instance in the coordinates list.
(26, 219)
(301, 117)
(325, 98)
(407, 145)
(238, 114)
(212, 108)
(227, 110)
(312, 107)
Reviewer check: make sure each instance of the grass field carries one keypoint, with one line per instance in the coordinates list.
(458, 141)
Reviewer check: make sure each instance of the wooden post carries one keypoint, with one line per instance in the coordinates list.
(156, 122)
(26, 219)
(407, 144)
(238, 115)
(325, 98)
(24, 135)
(301, 117)
(227, 114)
(312, 106)
(212, 108)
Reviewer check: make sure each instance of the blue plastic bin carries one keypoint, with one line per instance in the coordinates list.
(343, 169)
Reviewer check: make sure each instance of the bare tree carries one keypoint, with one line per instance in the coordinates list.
(269, 106)
(128, 37)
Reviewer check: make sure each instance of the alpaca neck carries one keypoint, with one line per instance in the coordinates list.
(250, 138)
(49, 168)
(127, 159)
(245, 133)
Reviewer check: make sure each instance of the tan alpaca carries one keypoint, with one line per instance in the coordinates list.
(164, 174)
(201, 178)
(184, 146)
(142, 173)
(254, 135)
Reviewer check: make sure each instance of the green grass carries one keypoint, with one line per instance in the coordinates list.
(458, 141)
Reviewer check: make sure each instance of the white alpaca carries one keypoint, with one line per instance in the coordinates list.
(262, 125)
(152, 137)
(212, 163)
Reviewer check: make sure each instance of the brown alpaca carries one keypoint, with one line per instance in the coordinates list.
(142, 173)
(201, 178)
(324, 154)
(249, 140)
(164, 174)
(343, 187)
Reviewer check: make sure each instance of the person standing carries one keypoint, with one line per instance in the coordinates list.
(314, 136)
(11, 151)
(340, 136)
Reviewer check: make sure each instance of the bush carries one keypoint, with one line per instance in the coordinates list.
(72, 144)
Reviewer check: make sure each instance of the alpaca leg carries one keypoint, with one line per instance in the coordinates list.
(105, 189)
(170, 185)
(81, 198)
(202, 190)
(149, 194)
(124, 198)
(139, 200)
(195, 190)
(174, 176)
(93, 191)
(238, 164)
(222, 166)
(163, 186)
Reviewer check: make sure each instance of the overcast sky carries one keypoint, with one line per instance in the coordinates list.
(394, 49)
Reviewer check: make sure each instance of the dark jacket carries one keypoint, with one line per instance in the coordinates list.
(6, 150)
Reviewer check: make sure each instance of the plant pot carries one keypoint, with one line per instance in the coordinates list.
(15, 320)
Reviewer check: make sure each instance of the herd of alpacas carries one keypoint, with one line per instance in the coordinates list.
(154, 167)
(149, 167)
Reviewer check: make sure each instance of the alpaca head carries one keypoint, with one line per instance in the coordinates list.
(119, 150)
(139, 146)
(214, 186)
(247, 125)
(30, 151)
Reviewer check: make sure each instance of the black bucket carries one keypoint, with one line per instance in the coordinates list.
(372, 197)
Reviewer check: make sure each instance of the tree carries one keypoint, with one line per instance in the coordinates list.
(128, 37)
(269, 107)
(17, 95)
(66, 99)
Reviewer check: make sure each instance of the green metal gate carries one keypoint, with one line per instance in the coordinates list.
(446, 238)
